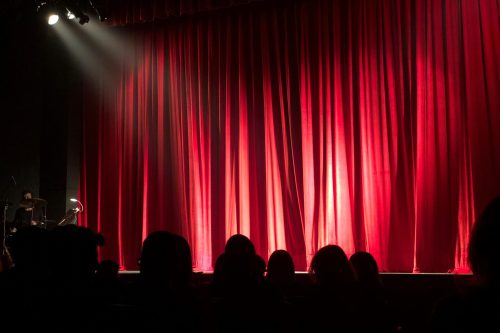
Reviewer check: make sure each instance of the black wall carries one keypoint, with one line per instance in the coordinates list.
(40, 113)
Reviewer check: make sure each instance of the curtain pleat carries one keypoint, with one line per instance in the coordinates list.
(371, 124)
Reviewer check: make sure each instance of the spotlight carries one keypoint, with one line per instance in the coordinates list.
(50, 11)
(53, 18)
(71, 10)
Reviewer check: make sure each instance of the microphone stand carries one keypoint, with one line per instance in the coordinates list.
(5, 204)
(4, 223)
(72, 214)
(43, 222)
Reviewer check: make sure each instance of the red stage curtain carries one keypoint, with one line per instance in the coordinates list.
(372, 124)
(132, 11)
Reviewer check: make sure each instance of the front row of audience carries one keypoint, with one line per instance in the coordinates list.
(57, 285)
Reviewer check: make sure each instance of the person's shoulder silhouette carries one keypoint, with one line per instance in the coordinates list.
(374, 302)
(281, 270)
(166, 299)
(366, 269)
(476, 310)
(166, 261)
(331, 268)
(484, 245)
(334, 300)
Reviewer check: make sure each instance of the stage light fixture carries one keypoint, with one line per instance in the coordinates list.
(53, 19)
(49, 11)
(71, 9)
(83, 19)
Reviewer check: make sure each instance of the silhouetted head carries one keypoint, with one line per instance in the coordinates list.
(73, 252)
(166, 260)
(280, 268)
(107, 270)
(26, 194)
(331, 267)
(241, 266)
(239, 245)
(484, 244)
(365, 267)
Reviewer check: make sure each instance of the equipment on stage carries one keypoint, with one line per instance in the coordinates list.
(28, 206)
(72, 214)
(33, 202)
(5, 256)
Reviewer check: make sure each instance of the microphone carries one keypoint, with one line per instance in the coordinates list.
(14, 180)
(79, 203)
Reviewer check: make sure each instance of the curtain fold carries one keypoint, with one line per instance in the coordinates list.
(123, 12)
(371, 124)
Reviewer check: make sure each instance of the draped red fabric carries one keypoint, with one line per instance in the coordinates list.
(371, 124)
(121, 12)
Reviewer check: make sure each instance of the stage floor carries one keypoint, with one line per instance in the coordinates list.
(444, 281)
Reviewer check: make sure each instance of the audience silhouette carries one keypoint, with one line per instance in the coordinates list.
(107, 282)
(335, 300)
(73, 257)
(477, 309)
(53, 273)
(165, 298)
(24, 299)
(366, 269)
(281, 272)
(58, 272)
(166, 261)
(374, 302)
(243, 302)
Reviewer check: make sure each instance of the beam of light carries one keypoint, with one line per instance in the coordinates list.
(109, 41)
(88, 59)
